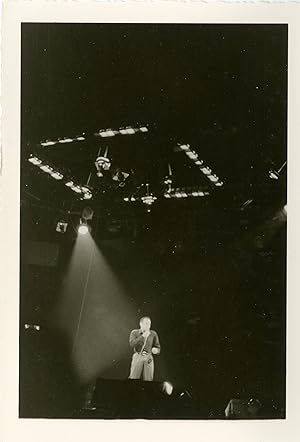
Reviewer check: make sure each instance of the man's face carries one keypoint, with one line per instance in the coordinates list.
(145, 324)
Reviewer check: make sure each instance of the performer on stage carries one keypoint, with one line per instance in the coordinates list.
(145, 344)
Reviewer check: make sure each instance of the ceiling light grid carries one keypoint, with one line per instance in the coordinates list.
(64, 140)
(186, 193)
(84, 191)
(193, 156)
(129, 130)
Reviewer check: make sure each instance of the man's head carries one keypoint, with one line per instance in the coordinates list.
(145, 323)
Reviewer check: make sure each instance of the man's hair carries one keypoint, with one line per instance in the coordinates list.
(144, 317)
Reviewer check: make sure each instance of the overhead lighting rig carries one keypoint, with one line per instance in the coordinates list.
(185, 193)
(129, 130)
(148, 199)
(102, 162)
(45, 167)
(193, 156)
(62, 140)
(168, 181)
(104, 133)
(84, 191)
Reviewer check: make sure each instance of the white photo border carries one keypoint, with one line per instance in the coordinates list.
(13, 14)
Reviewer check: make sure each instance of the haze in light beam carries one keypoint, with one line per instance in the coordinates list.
(95, 311)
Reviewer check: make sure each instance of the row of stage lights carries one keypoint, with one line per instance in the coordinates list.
(176, 193)
(104, 133)
(193, 156)
(62, 141)
(182, 193)
(83, 190)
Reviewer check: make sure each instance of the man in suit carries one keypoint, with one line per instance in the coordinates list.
(145, 344)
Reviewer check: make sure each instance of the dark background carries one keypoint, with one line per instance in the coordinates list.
(210, 272)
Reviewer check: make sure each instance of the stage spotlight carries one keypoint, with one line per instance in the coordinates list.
(285, 209)
(167, 388)
(274, 175)
(83, 229)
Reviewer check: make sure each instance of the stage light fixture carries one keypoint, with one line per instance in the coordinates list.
(69, 184)
(80, 138)
(185, 147)
(76, 189)
(106, 133)
(48, 143)
(120, 177)
(212, 178)
(205, 170)
(87, 194)
(32, 327)
(192, 155)
(148, 199)
(34, 160)
(65, 140)
(57, 175)
(46, 168)
(130, 131)
(143, 129)
(273, 175)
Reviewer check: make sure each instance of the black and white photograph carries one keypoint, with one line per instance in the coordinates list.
(153, 213)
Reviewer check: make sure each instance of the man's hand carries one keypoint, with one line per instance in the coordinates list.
(155, 350)
(146, 333)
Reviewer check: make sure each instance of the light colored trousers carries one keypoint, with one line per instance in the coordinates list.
(142, 364)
